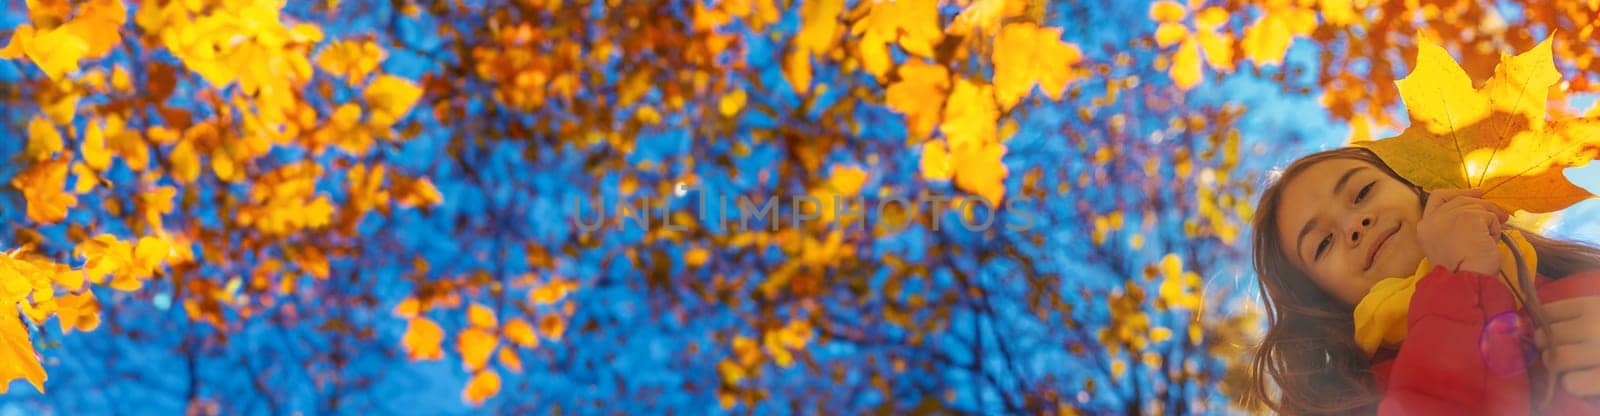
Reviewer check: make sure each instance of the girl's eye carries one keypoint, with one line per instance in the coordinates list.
(1321, 246)
(1364, 190)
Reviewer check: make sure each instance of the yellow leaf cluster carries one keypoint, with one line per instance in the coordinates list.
(352, 59)
(1217, 47)
(243, 42)
(128, 264)
(90, 34)
(1179, 288)
(782, 343)
(525, 76)
(285, 200)
(1129, 326)
(746, 355)
(974, 152)
(29, 283)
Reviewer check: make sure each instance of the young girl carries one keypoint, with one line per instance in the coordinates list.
(1452, 336)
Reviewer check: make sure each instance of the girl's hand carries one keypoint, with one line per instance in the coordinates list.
(1575, 353)
(1461, 231)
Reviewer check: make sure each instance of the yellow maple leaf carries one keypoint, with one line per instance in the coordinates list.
(919, 95)
(1270, 36)
(979, 170)
(970, 115)
(1494, 137)
(1026, 55)
(820, 25)
(17, 358)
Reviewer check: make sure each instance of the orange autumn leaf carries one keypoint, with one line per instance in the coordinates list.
(44, 187)
(481, 316)
(408, 308)
(552, 327)
(475, 345)
(423, 340)
(551, 292)
(1495, 137)
(519, 332)
(919, 95)
(696, 256)
(415, 192)
(508, 358)
(484, 384)
(17, 357)
(78, 312)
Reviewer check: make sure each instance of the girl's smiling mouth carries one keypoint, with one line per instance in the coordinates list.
(1372, 253)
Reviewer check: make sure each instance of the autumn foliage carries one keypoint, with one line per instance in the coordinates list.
(268, 206)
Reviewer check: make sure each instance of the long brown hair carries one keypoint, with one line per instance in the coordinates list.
(1309, 350)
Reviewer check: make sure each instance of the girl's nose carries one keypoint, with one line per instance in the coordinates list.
(1356, 230)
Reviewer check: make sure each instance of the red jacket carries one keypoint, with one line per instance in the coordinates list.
(1468, 350)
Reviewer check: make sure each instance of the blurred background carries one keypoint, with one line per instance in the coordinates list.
(350, 206)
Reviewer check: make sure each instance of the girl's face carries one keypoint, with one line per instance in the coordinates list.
(1348, 225)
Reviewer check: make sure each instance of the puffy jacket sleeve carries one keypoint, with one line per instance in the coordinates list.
(1452, 361)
